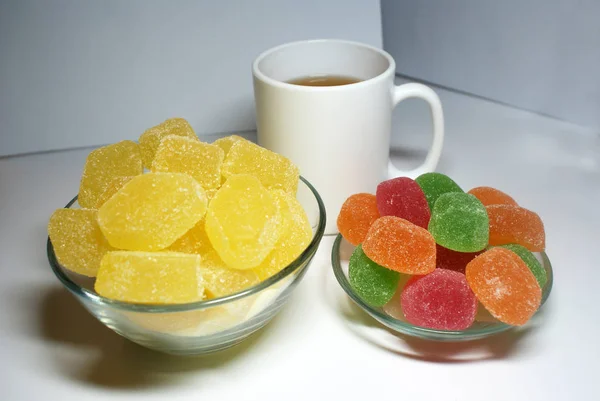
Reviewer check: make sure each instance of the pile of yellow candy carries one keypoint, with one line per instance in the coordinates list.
(205, 221)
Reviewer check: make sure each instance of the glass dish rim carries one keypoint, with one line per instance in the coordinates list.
(422, 332)
(304, 257)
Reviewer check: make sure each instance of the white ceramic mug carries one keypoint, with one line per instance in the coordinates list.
(339, 136)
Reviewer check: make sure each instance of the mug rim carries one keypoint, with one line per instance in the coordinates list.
(257, 73)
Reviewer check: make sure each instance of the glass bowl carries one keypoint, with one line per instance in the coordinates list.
(205, 326)
(484, 326)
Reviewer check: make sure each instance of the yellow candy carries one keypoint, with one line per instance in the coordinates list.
(177, 154)
(77, 240)
(151, 138)
(243, 222)
(274, 171)
(297, 234)
(150, 277)
(112, 188)
(152, 211)
(227, 142)
(194, 241)
(220, 280)
(104, 164)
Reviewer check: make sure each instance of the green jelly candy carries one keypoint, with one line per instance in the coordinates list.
(460, 222)
(531, 261)
(436, 184)
(373, 283)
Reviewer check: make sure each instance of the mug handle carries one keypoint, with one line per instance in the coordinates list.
(401, 92)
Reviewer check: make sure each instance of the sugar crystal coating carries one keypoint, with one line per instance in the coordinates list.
(356, 216)
(400, 245)
(103, 165)
(221, 280)
(227, 142)
(178, 154)
(151, 138)
(112, 188)
(516, 225)
(504, 285)
(77, 240)
(492, 196)
(459, 222)
(152, 210)
(436, 184)
(531, 261)
(403, 197)
(453, 260)
(194, 240)
(441, 300)
(243, 222)
(150, 277)
(373, 283)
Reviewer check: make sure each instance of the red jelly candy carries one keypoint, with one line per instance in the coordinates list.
(404, 198)
(452, 260)
(358, 212)
(441, 300)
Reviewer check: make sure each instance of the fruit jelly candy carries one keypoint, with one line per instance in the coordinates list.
(504, 285)
(459, 222)
(150, 277)
(400, 245)
(373, 283)
(77, 240)
(441, 300)
(492, 196)
(112, 188)
(531, 261)
(273, 170)
(436, 184)
(297, 234)
(203, 161)
(220, 280)
(227, 142)
(516, 225)
(194, 240)
(403, 197)
(453, 260)
(243, 222)
(356, 216)
(152, 210)
(151, 138)
(483, 315)
(105, 163)
(394, 308)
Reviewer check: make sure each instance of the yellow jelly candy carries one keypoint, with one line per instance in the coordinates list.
(151, 138)
(150, 277)
(194, 241)
(112, 188)
(220, 280)
(104, 164)
(243, 222)
(297, 234)
(152, 210)
(177, 154)
(227, 142)
(77, 240)
(274, 171)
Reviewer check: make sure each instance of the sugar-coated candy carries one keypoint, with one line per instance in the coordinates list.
(394, 306)
(441, 300)
(102, 165)
(221, 280)
(516, 225)
(273, 170)
(492, 196)
(483, 315)
(452, 260)
(436, 184)
(459, 222)
(150, 277)
(227, 142)
(194, 240)
(373, 283)
(77, 240)
(151, 138)
(400, 245)
(243, 222)
(295, 237)
(531, 261)
(152, 210)
(178, 154)
(504, 285)
(356, 216)
(112, 188)
(403, 197)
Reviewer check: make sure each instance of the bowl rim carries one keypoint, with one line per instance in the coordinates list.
(423, 332)
(305, 256)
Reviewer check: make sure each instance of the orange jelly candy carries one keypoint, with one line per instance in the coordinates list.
(400, 245)
(505, 286)
(358, 212)
(492, 196)
(516, 225)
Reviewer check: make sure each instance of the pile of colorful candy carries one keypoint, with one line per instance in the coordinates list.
(458, 248)
(205, 221)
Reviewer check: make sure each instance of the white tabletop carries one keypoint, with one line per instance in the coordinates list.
(320, 346)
